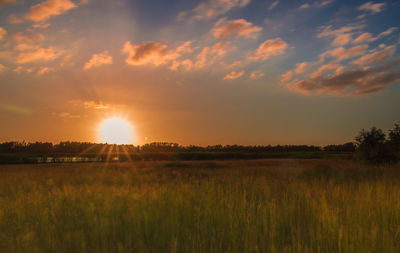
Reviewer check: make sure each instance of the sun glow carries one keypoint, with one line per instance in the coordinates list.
(116, 131)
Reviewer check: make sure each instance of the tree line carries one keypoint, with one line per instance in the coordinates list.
(371, 145)
(76, 148)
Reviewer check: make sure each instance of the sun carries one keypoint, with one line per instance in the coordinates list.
(116, 131)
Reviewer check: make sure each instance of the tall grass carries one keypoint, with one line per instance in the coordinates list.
(231, 206)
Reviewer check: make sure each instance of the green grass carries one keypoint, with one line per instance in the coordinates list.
(211, 206)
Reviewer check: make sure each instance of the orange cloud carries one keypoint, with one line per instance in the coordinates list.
(256, 74)
(3, 32)
(287, 76)
(365, 37)
(234, 75)
(342, 39)
(45, 10)
(342, 35)
(208, 55)
(350, 81)
(41, 54)
(147, 53)
(373, 8)
(186, 64)
(323, 69)
(341, 53)
(269, 48)
(98, 60)
(44, 70)
(376, 57)
(2, 68)
(28, 37)
(90, 104)
(238, 27)
(301, 67)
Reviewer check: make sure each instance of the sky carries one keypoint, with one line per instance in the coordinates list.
(249, 72)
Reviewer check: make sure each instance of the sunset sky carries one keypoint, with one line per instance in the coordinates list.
(199, 72)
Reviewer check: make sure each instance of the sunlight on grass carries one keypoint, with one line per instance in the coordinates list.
(236, 206)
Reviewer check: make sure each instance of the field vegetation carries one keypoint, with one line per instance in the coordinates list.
(290, 205)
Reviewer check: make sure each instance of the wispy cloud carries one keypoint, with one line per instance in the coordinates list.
(256, 74)
(90, 104)
(372, 7)
(301, 67)
(208, 55)
(98, 59)
(267, 49)
(376, 57)
(28, 36)
(44, 70)
(238, 27)
(342, 53)
(40, 54)
(212, 8)
(273, 5)
(233, 75)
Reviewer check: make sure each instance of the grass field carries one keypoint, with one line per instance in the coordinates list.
(205, 206)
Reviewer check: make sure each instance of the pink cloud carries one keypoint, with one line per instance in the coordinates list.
(234, 75)
(238, 27)
(49, 8)
(99, 59)
(267, 49)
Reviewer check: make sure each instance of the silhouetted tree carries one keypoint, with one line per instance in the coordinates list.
(371, 145)
(394, 141)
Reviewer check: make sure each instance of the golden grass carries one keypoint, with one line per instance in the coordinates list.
(230, 206)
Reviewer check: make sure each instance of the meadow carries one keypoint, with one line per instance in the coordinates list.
(273, 205)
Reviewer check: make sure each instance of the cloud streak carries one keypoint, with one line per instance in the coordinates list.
(212, 8)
